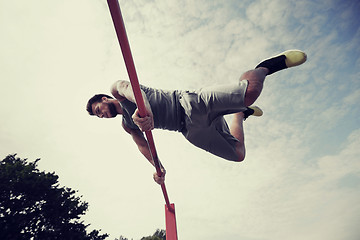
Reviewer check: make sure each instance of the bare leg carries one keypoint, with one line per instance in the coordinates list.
(236, 129)
(256, 79)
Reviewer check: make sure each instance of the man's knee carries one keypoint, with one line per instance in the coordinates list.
(247, 75)
(240, 154)
(240, 157)
(234, 155)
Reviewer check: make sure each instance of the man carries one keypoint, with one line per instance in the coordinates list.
(198, 115)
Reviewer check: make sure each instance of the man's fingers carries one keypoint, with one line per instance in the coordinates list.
(145, 124)
(146, 127)
(140, 119)
(159, 180)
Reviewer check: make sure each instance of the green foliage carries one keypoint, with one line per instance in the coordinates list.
(121, 238)
(158, 235)
(33, 206)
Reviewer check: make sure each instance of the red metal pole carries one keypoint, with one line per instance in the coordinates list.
(130, 66)
(170, 219)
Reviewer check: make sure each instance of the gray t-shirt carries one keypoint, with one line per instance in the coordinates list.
(167, 111)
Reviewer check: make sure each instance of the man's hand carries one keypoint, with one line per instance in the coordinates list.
(160, 180)
(144, 123)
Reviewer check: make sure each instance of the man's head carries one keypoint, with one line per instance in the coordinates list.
(102, 105)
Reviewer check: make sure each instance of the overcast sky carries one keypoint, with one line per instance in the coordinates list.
(301, 175)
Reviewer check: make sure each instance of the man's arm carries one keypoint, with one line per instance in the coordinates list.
(142, 144)
(122, 90)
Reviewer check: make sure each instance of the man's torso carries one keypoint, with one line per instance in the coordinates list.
(168, 114)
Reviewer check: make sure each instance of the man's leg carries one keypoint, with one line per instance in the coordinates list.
(256, 80)
(236, 129)
(256, 77)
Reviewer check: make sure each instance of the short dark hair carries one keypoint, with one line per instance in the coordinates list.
(96, 98)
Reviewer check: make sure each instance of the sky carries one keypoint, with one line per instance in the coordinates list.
(301, 175)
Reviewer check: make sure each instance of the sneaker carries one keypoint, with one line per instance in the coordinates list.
(252, 111)
(287, 59)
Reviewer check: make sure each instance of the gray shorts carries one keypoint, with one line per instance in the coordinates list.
(205, 126)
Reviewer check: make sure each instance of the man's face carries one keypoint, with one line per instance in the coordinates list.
(104, 109)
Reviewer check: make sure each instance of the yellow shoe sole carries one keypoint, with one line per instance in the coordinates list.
(257, 111)
(294, 57)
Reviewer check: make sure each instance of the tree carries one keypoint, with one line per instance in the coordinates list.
(158, 235)
(121, 238)
(33, 206)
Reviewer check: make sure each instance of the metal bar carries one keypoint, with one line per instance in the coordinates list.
(130, 66)
(170, 219)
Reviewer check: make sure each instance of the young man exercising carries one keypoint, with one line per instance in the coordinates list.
(198, 115)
